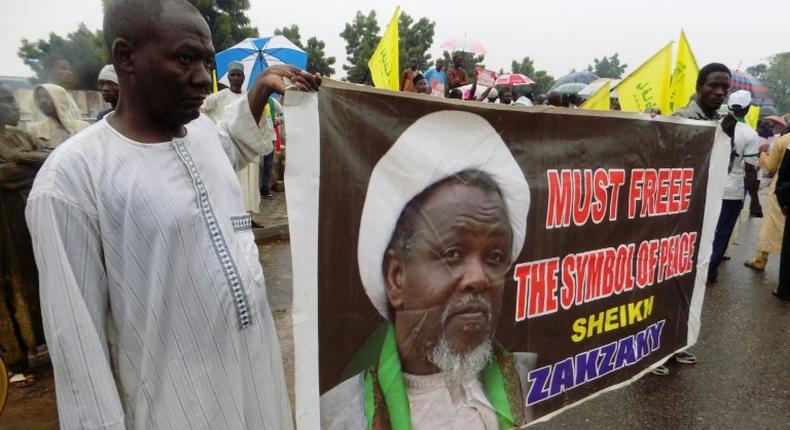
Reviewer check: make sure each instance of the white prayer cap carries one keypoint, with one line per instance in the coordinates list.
(740, 98)
(108, 74)
(235, 65)
(435, 147)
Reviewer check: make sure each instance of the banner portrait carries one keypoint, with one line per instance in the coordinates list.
(468, 265)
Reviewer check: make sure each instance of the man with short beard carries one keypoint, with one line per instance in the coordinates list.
(434, 251)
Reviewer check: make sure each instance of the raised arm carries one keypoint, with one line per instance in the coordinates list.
(241, 137)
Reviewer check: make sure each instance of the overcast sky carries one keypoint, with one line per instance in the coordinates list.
(558, 35)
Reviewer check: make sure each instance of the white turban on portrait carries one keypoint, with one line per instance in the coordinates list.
(434, 147)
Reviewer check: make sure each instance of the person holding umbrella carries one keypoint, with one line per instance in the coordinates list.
(155, 307)
(457, 75)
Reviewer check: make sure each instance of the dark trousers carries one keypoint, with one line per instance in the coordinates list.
(784, 263)
(727, 219)
(266, 173)
(752, 184)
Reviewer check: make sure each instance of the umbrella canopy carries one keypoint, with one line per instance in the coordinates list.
(575, 77)
(744, 81)
(256, 54)
(777, 119)
(514, 79)
(570, 88)
(463, 44)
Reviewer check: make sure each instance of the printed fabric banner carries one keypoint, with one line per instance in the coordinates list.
(468, 265)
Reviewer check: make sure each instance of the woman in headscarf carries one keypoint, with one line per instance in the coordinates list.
(60, 123)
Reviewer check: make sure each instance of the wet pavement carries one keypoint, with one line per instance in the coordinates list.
(742, 379)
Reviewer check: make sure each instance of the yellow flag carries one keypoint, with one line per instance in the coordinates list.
(648, 85)
(684, 76)
(599, 100)
(753, 116)
(383, 64)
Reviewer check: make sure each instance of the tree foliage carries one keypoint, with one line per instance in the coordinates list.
(757, 71)
(83, 49)
(608, 67)
(317, 61)
(777, 78)
(227, 20)
(470, 61)
(543, 81)
(361, 36)
(415, 40)
(291, 33)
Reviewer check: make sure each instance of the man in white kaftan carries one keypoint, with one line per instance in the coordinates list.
(154, 301)
(214, 107)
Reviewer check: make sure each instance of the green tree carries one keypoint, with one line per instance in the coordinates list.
(83, 49)
(608, 67)
(361, 37)
(470, 61)
(777, 79)
(543, 81)
(227, 20)
(757, 71)
(291, 33)
(415, 40)
(317, 61)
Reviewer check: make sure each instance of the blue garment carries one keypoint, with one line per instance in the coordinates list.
(435, 75)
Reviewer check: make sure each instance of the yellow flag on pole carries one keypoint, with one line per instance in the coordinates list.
(648, 85)
(383, 64)
(599, 100)
(753, 116)
(684, 76)
(214, 80)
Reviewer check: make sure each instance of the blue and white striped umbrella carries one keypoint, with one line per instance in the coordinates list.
(256, 54)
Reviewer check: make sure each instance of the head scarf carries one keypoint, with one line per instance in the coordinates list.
(68, 118)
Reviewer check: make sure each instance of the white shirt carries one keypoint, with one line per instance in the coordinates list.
(436, 402)
(745, 137)
(154, 302)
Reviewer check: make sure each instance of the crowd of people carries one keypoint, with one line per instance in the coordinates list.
(148, 320)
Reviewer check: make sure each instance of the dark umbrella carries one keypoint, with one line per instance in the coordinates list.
(744, 81)
(570, 88)
(575, 77)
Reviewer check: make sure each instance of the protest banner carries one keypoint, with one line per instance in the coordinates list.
(485, 77)
(536, 256)
(684, 76)
(383, 64)
(437, 89)
(648, 85)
